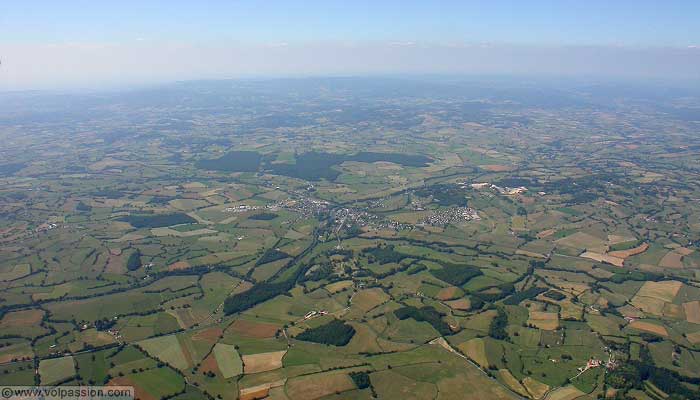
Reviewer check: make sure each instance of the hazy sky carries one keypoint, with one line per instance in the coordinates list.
(98, 43)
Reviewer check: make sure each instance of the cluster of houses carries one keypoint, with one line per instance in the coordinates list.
(361, 218)
(595, 363)
(240, 208)
(314, 314)
(445, 216)
(502, 190)
(46, 226)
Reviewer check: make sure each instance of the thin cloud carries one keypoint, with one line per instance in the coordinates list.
(137, 62)
(402, 44)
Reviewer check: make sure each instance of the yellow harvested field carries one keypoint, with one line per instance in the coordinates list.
(664, 290)
(530, 253)
(546, 233)
(616, 261)
(512, 383)
(565, 393)
(449, 293)
(649, 327)
(336, 287)
(673, 311)
(178, 265)
(475, 350)
(649, 305)
(672, 259)
(630, 252)
(262, 362)
(460, 304)
(543, 315)
(582, 240)
(318, 385)
(615, 239)
(692, 311)
(536, 388)
(693, 338)
(496, 167)
(684, 251)
(259, 391)
(548, 321)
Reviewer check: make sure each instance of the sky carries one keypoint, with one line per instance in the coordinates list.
(52, 44)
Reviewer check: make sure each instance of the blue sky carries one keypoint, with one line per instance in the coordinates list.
(96, 43)
(557, 22)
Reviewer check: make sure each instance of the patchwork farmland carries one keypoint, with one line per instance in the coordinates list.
(334, 242)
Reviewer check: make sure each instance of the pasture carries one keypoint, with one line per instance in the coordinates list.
(55, 370)
(228, 360)
(167, 349)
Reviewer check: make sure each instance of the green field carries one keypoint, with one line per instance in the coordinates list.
(167, 349)
(228, 360)
(55, 370)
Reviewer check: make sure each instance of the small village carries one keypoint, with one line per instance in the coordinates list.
(452, 215)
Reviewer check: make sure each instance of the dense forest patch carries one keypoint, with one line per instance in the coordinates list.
(336, 332)
(263, 216)
(10, 169)
(525, 295)
(446, 195)
(407, 160)
(455, 274)
(271, 255)
(233, 161)
(497, 329)
(425, 314)
(134, 261)
(314, 166)
(157, 220)
(257, 294)
(384, 254)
